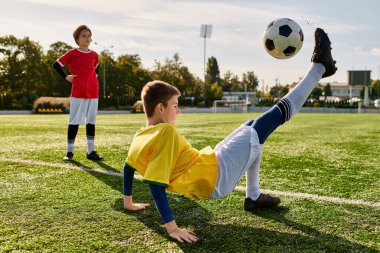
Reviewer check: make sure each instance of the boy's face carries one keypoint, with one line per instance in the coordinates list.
(171, 111)
(84, 39)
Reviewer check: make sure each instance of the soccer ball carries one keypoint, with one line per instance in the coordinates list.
(283, 38)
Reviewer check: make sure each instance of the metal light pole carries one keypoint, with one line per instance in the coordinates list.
(277, 89)
(104, 67)
(206, 31)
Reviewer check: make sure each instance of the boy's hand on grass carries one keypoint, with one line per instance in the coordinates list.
(183, 235)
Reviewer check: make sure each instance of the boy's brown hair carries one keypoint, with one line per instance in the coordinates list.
(156, 92)
(77, 32)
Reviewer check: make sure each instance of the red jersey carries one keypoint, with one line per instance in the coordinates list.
(83, 65)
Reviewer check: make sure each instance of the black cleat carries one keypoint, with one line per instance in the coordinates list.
(94, 156)
(322, 52)
(264, 201)
(68, 157)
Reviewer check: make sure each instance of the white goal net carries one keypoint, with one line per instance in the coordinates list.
(230, 106)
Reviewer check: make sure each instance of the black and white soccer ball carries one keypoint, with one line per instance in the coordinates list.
(283, 38)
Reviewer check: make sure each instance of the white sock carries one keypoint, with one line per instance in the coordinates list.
(70, 146)
(252, 178)
(298, 95)
(90, 144)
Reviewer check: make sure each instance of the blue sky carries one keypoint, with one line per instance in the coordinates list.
(159, 29)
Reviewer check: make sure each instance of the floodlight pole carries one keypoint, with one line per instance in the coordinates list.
(104, 67)
(204, 72)
(277, 89)
(206, 31)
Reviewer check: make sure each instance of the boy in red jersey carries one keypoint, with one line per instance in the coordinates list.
(167, 161)
(83, 65)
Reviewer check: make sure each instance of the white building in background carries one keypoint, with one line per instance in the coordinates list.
(249, 96)
(342, 90)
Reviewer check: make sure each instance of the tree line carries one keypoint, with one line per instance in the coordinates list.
(26, 73)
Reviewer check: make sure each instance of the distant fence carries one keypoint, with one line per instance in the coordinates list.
(226, 110)
(264, 109)
(15, 112)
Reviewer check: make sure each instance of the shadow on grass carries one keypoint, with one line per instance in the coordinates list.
(188, 213)
(100, 163)
(224, 237)
(107, 167)
(235, 238)
(307, 239)
(115, 182)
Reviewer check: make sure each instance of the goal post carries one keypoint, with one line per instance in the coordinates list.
(233, 105)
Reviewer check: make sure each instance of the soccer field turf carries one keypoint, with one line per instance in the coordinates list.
(47, 205)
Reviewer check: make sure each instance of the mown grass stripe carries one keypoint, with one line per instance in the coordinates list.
(239, 188)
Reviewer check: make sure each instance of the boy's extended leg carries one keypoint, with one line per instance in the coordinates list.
(322, 65)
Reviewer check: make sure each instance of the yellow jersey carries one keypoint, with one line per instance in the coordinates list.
(164, 157)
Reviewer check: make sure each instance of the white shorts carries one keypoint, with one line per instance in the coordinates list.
(235, 154)
(83, 111)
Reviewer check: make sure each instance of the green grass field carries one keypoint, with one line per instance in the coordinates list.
(48, 208)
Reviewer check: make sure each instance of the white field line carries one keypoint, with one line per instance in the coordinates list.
(317, 197)
(239, 188)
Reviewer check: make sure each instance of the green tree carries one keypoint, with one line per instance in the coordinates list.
(284, 90)
(274, 92)
(327, 90)
(250, 81)
(174, 72)
(316, 93)
(22, 71)
(108, 73)
(131, 77)
(215, 92)
(57, 86)
(375, 87)
(231, 82)
(212, 72)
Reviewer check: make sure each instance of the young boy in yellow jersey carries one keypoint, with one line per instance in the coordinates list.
(167, 161)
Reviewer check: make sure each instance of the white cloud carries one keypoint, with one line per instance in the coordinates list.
(359, 48)
(375, 51)
(158, 29)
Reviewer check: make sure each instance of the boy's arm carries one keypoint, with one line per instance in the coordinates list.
(59, 69)
(162, 203)
(62, 73)
(127, 191)
(97, 69)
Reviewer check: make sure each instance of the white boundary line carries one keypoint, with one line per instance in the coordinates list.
(239, 188)
(317, 197)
